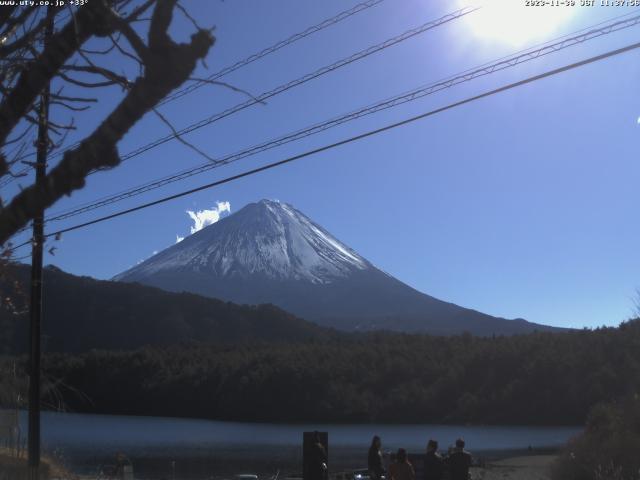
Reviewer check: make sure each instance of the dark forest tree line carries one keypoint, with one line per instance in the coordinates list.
(541, 378)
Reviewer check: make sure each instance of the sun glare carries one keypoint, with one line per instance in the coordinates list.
(511, 21)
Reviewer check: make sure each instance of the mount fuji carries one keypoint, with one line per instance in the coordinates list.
(269, 252)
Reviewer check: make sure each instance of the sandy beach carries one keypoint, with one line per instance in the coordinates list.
(534, 467)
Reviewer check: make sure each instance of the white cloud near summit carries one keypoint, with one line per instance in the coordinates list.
(204, 218)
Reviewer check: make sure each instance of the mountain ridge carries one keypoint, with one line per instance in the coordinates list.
(82, 313)
(269, 252)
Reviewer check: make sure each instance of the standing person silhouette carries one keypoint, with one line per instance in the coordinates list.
(459, 462)
(374, 461)
(433, 462)
(401, 469)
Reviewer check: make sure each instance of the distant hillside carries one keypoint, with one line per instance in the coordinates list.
(81, 313)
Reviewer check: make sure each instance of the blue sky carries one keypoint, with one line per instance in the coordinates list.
(520, 205)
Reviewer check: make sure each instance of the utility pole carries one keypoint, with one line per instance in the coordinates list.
(36, 276)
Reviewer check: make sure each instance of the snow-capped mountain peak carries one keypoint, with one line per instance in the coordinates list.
(269, 252)
(268, 238)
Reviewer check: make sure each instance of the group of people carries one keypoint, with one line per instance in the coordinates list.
(454, 466)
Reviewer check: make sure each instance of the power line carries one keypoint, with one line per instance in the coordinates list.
(355, 138)
(293, 83)
(412, 95)
(299, 81)
(302, 80)
(273, 48)
(345, 14)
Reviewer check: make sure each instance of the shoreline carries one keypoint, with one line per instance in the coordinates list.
(515, 465)
(301, 423)
(527, 467)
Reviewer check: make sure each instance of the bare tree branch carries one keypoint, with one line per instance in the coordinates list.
(188, 16)
(182, 140)
(135, 41)
(167, 67)
(15, 156)
(19, 137)
(69, 107)
(13, 23)
(61, 127)
(133, 16)
(25, 39)
(96, 70)
(93, 19)
(73, 99)
(5, 15)
(124, 52)
(229, 86)
(97, 52)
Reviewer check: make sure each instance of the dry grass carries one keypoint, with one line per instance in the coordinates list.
(13, 467)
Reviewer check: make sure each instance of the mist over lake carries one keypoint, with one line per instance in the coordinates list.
(202, 448)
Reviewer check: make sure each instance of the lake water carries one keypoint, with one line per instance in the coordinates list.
(203, 448)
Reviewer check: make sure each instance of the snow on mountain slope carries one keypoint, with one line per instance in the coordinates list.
(269, 238)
